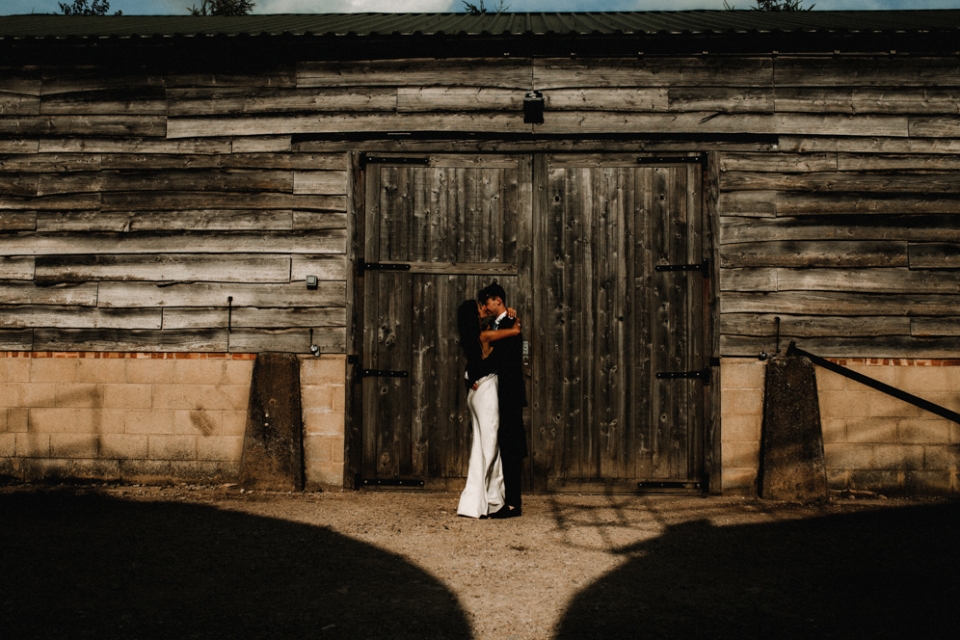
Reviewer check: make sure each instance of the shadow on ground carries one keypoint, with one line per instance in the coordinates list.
(75, 566)
(881, 574)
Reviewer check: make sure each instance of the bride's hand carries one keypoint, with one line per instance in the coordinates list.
(511, 313)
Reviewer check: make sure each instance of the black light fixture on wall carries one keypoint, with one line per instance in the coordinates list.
(533, 108)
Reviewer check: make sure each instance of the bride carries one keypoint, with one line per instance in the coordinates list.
(483, 494)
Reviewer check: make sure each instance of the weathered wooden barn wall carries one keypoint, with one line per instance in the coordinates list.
(134, 206)
(116, 238)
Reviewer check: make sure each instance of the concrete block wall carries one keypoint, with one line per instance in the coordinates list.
(151, 418)
(872, 441)
(741, 419)
(322, 389)
(875, 442)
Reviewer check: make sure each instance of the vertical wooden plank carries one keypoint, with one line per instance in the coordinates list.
(694, 314)
(556, 436)
(546, 323)
(632, 350)
(608, 362)
(468, 185)
(420, 218)
(515, 211)
(376, 200)
(356, 221)
(647, 418)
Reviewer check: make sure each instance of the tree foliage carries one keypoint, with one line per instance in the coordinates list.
(775, 5)
(477, 9)
(84, 8)
(222, 8)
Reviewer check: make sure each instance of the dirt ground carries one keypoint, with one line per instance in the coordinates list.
(212, 562)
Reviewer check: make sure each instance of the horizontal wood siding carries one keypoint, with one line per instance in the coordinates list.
(114, 236)
(112, 183)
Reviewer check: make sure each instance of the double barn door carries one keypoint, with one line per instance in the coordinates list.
(576, 241)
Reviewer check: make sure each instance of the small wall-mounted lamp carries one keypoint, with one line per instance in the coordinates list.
(533, 108)
(312, 282)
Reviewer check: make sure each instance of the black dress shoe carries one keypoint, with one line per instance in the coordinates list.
(505, 512)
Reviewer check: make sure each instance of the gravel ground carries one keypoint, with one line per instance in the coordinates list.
(212, 562)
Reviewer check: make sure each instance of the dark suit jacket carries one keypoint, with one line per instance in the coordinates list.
(507, 358)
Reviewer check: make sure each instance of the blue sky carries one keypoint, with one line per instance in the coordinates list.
(168, 7)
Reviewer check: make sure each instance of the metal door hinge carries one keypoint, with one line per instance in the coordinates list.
(702, 374)
(702, 267)
(382, 266)
(367, 159)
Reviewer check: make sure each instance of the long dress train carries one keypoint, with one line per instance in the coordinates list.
(483, 493)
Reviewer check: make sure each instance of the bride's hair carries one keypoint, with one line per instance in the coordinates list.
(468, 322)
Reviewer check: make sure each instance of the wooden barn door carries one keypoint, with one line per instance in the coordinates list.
(609, 321)
(436, 229)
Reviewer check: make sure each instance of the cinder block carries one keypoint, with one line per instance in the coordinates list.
(177, 396)
(234, 397)
(220, 449)
(100, 421)
(317, 397)
(198, 423)
(919, 380)
(38, 394)
(834, 429)
(942, 458)
(127, 396)
(830, 381)
(838, 479)
(53, 370)
(864, 430)
(18, 420)
(740, 454)
(14, 370)
(203, 372)
(741, 428)
(848, 456)
(238, 372)
(900, 457)
(879, 480)
(52, 421)
(122, 446)
(318, 422)
(880, 404)
(37, 470)
(151, 371)
(339, 397)
(8, 445)
(148, 422)
(924, 431)
(883, 372)
(234, 423)
(327, 369)
(740, 374)
(10, 394)
(79, 395)
(74, 445)
(741, 402)
(33, 445)
(739, 482)
(947, 399)
(145, 471)
(102, 370)
(172, 448)
(932, 483)
(321, 473)
(199, 471)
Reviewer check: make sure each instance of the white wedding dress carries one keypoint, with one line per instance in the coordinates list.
(483, 494)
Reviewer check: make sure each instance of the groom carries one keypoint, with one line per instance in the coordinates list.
(512, 437)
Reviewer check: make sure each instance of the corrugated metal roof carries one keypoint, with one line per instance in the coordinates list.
(466, 25)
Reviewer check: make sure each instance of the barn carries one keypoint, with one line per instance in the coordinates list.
(669, 199)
